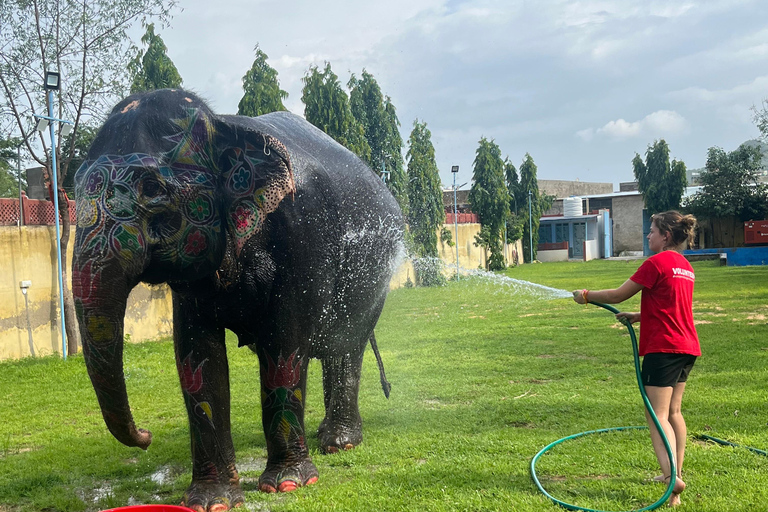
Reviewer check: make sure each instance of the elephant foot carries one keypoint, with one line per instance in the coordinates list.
(287, 479)
(213, 496)
(334, 438)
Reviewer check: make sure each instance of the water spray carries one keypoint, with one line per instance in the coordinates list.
(649, 408)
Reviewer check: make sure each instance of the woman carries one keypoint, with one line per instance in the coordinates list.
(669, 343)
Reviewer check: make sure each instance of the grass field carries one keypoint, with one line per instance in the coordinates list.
(483, 376)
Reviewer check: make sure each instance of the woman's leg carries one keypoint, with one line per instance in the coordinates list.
(678, 425)
(661, 399)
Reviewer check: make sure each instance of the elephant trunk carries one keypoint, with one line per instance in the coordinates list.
(101, 293)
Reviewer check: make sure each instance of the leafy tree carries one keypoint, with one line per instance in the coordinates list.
(153, 69)
(661, 183)
(367, 106)
(490, 199)
(326, 106)
(9, 185)
(397, 180)
(529, 188)
(262, 89)
(514, 220)
(761, 120)
(731, 186)
(426, 203)
(378, 117)
(86, 42)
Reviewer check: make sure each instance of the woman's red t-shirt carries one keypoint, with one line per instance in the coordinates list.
(666, 306)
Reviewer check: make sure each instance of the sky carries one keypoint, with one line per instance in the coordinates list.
(579, 85)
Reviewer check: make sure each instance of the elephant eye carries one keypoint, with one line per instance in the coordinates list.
(150, 187)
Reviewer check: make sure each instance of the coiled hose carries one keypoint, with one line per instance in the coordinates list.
(649, 408)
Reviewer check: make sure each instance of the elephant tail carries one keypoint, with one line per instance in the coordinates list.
(385, 385)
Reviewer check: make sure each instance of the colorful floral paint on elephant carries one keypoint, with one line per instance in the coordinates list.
(281, 395)
(191, 384)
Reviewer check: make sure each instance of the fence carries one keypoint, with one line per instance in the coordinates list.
(463, 218)
(36, 212)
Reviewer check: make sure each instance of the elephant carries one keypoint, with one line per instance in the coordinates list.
(264, 226)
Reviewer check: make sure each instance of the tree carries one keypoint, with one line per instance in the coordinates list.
(426, 212)
(539, 203)
(153, 69)
(490, 200)
(514, 220)
(326, 106)
(86, 42)
(761, 120)
(377, 115)
(397, 180)
(9, 185)
(661, 183)
(731, 186)
(262, 92)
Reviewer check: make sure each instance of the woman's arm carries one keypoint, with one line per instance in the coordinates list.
(620, 294)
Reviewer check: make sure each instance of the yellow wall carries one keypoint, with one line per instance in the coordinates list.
(470, 257)
(29, 254)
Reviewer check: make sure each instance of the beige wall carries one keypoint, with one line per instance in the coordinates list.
(29, 254)
(627, 215)
(470, 257)
(563, 188)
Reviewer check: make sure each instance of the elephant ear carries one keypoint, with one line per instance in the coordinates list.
(256, 174)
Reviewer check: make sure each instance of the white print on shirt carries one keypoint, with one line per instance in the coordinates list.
(681, 272)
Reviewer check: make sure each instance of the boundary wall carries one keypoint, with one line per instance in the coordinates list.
(29, 325)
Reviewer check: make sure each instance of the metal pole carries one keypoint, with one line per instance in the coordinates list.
(530, 225)
(56, 221)
(456, 225)
(18, 169)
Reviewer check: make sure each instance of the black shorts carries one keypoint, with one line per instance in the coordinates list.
(665, 370)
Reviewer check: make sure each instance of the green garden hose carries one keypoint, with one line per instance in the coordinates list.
(648, 407)
(647, 403)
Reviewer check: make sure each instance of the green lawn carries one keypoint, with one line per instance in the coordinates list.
(483, 376)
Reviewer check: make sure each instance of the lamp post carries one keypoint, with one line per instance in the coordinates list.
(52, 83)
(455, 171)
(530, 225)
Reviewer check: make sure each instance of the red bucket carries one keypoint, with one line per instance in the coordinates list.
(150, 508)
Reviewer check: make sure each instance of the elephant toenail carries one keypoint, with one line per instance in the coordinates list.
(267, 488)
(312, 480)
(288, 486)
(348, 446)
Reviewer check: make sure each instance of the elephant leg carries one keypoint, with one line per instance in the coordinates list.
(201, 360)
(342, 427)
(283, 387)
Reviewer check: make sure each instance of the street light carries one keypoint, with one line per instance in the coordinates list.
(53, 83)
(455, 171)
(530, 225)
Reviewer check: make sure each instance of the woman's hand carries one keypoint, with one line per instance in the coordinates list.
(628, 318)
(578, 296)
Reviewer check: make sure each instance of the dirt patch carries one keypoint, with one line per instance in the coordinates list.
(757, 316)
(477, 316)
(700, 322)
(546, 356)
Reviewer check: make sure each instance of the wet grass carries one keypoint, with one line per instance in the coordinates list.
(482, 378)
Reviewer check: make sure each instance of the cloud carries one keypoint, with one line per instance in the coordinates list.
(661, 123)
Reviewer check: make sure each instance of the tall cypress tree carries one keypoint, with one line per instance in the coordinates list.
(153, 69)
(397, 180)
(490, 200)
(425, 198)
(326, 106)
(262, 92)
(539, 203)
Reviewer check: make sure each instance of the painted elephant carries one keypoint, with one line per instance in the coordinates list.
(264, 226)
